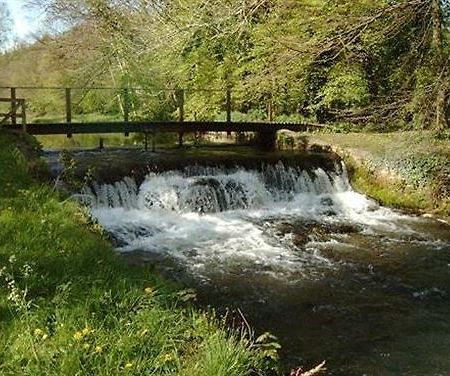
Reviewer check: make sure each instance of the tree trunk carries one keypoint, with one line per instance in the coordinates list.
(442, 102)
(437, 29)
(442, 86)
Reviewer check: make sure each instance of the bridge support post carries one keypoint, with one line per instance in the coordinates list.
(126, 110)
(13, 106)
(228, 104)
(24, 116)
(266, 140)
(69, 110)
(180, 100)
(270, 108)
(145, 141)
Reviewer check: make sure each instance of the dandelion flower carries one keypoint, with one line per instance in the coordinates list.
(149, 290)
(168, 358)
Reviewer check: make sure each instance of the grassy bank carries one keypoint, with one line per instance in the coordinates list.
(68, 306)
(409, 170)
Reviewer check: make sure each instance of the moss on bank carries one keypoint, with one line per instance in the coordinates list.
(406, 170)
(68, 306)
(384, 190)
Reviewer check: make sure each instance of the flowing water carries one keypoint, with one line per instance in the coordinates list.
(327, 270)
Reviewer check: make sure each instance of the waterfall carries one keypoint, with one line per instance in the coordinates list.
(221, 219)
(212, 190)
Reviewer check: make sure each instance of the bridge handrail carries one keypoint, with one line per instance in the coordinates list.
(16, 103)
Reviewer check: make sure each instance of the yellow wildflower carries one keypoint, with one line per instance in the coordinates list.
(149, 290)
(78, 335)
(44, 337)
(38, 332)
(86, 331)
(98, 349)
(143, 332)
(128, 365)
(168, 358)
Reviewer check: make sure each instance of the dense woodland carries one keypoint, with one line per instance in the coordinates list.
(365, 63)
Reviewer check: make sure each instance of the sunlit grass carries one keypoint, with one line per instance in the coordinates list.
(70, 306)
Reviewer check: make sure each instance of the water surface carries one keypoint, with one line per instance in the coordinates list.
(333, 275)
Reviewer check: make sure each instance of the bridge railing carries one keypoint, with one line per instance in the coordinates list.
(15, 108)
(85, 104)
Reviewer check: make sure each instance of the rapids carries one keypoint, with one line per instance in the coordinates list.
(300, 252)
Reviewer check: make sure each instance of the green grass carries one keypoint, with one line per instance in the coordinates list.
(82, 118)
(86, 141)
(380, 144)
(69, 306)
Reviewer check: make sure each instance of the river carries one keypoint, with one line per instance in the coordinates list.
(331, 273)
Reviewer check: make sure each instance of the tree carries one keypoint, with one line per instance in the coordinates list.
(398, 49)
(5, 25)
(358, 61)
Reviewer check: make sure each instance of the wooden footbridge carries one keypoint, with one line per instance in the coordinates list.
(266, 131)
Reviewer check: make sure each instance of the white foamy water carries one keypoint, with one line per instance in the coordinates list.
(215, 219)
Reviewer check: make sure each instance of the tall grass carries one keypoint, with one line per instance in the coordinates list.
(70, 306)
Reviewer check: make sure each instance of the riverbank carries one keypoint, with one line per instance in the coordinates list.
(406, 170)
(68, 305)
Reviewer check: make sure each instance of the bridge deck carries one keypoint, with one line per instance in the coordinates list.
(160, 126)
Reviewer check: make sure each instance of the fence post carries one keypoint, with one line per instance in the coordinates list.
(228, 109)
(126, 110)
(270, 108)
(180, 100)
(13, 106)
(69, 110)
(24, 116)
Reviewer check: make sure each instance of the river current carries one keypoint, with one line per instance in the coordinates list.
(331, 273)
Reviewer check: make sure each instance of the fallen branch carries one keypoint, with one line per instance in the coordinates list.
(315, 371)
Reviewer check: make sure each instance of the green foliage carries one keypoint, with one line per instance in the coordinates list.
(353, 62)
(346, 87)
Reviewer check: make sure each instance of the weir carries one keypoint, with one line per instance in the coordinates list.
(296, 250)
(216, 189)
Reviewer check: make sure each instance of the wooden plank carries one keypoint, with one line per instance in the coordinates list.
(161, 126)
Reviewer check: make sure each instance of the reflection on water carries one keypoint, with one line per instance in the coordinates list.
(328, 271)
